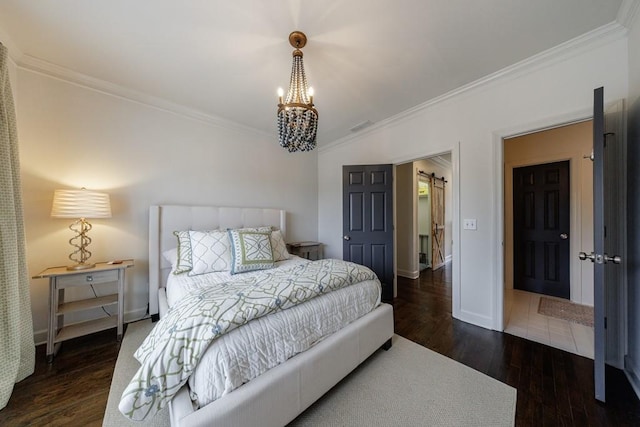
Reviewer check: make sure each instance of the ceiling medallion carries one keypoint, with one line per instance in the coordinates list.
(297, 119)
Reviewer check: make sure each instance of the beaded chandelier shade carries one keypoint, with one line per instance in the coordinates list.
(297, 119)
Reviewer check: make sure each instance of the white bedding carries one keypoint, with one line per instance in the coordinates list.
(180, 285)
(256, 347)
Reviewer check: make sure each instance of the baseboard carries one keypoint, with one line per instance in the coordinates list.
(409, 274)
(631, 371)
(40, 337)
(448, 258)
(476, 319)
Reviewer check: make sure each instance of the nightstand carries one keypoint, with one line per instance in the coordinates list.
(60, 278)
(308, 250)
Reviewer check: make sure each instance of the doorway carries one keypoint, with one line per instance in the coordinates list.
(570, 144)
(424, 210)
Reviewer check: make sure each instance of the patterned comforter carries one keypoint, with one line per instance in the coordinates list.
(172, 350)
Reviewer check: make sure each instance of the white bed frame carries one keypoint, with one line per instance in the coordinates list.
(279, 395)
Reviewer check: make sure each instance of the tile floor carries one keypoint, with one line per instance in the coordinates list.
(523, 320)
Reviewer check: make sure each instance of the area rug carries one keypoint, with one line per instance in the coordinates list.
(408, 385)
(566, 310)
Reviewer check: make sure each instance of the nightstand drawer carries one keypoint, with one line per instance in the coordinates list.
(92, 278)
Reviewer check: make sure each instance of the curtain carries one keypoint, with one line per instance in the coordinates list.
(17, 348)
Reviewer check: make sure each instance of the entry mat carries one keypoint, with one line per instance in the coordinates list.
(566, 310)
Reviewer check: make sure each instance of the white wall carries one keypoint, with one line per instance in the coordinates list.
(549, 92)
(632, 361)
(404, 207)
(72, 136)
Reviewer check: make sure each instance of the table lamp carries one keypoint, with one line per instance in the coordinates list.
(80, 204)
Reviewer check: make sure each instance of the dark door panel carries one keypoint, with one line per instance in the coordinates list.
(368, 220)
(541, 228)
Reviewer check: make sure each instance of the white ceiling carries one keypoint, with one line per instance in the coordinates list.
(366, 59)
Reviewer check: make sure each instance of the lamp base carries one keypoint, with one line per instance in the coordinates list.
(80, 267)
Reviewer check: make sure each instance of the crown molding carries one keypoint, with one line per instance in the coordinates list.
(440, 161)
(628, 12)
(30, 63)
(593, 39)
(15, 54)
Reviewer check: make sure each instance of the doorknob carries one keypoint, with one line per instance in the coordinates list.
(564, 236)
(614, 259)
(583, 256)
(600, 259)
(346, 237)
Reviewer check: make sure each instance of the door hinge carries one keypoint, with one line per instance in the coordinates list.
(605, 323)
(605, 231)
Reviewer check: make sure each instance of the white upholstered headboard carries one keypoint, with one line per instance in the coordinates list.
(165, 219)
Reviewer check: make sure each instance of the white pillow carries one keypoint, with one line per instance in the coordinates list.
(210, 252)
(250, 250)
(278, 246)
(171, 255)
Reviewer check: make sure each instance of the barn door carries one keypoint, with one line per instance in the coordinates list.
(437, 223)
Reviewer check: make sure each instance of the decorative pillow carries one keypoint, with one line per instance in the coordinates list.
(278, 246)
(210, 252)
(171, 255)
(183, 262)
(250, 250)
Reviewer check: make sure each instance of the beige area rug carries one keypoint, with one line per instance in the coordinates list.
(408, 385)
(566, 310)
(126, 367)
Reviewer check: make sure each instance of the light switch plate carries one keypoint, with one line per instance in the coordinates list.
(469, 224)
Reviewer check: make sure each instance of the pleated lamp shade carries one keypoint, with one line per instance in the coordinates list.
(80, 204)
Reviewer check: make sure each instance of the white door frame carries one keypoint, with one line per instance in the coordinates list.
(455, 219)
(497, 309)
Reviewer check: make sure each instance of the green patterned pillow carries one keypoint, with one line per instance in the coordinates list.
(250, 250)
(183, 263)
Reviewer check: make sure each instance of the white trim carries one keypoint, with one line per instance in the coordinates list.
(475, 319)
(627, 13)
(448, 259)
(571, 48)
(38, 66)
(497, 308)
(455, 196)
(497, 302)
(456, 302)
(409, 274)
(438, 160)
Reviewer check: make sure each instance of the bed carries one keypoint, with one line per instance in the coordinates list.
(280, 394)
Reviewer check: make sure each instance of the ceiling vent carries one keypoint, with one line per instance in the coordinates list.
(361, 126)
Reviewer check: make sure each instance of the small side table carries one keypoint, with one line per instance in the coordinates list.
(308, 250)
(60, 278)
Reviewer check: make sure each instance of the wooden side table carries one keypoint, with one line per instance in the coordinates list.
(308, 250)
(60, 278)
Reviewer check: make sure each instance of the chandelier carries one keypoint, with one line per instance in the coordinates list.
(297, 119)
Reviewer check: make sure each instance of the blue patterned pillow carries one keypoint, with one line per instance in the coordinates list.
(250, 250)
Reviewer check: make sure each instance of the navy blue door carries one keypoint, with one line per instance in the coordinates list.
(541, 229)
(368, 220)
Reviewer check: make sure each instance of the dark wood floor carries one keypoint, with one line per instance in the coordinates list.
(555, 388)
